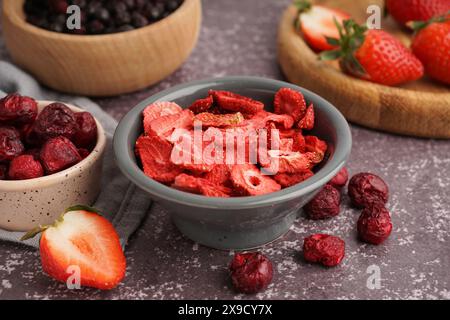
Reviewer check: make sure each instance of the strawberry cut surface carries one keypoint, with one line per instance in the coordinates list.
(236, 103)
(86, 241)
(248, 180)
(290, 102)
(157, 110)
(165, 125)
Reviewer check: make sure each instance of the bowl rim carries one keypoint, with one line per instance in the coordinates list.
(130, 169)
(19, 22)
(19, 185)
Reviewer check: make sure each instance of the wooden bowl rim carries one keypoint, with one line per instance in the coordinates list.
(16, 19)
(289, 14)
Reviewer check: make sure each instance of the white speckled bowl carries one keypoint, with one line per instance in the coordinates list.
(26, 204)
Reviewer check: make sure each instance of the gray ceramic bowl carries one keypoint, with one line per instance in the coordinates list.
(235, 223)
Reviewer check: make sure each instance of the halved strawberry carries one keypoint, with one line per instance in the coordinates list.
(165, 125)
(202, 105)
(287, 179)
(83, 239)
(157, 110)
(249, 181)
(307, 121)
(290, 102)
(219, 120)
(316, 22)
(155, 154)
(234, 102)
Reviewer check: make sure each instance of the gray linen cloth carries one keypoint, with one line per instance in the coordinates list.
(119, 201)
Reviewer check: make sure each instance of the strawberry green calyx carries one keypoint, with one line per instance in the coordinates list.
(351, 37)
(302, 5)
(419, 25)
(34, 232)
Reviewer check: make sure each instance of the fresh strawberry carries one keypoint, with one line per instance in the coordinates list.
(287, 180)
(307, 122)
(316, 23)
(202, 105)
(82, 238)
(290, 102)
(405, 11)
(219, 120)
(236, 103)
(431, 45)
(374, 55)
(188, 183)
(157, 110)
(249, 181)
(165, 125)
(155, 154)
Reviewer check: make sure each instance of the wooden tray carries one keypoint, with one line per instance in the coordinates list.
(420, 108)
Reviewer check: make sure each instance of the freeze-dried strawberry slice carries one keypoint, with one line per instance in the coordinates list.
(291, 102)
(202, 105)
(157, 110)
(220, 175)
(317, 147)
(235, 102)
(307, 121)
(299, 143)
(188, 183)
(262, 118)
(288, 162)
(219, 120)
(248, 180)
(154, 153)
(287, 180)
(164, 126)
(286, 144)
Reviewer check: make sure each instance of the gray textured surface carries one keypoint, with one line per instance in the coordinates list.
(238, 37)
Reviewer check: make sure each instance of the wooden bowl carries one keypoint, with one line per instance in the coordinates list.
(420, 108)
(25, 204)
(102, 65)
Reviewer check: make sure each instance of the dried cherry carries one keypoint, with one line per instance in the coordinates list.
(365, 188)
(326, 204)
(17, 109)
(86, 135)
(55, 120)
(25, 167)
(251, 272)
(374, 224)
(58, 154)
(324, 249)
(10, 144)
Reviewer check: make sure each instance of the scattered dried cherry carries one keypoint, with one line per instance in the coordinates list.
(340, 180)
(374, 224)
(86, 135)
(10, 144)
(17, 109)
(251, 272)
(324, 249)
(25, 167)
(55, 120)
(326, 204)
(58, 154)
(365, 188)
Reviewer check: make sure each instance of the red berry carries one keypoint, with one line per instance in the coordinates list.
(55, 120)
(291, 102)
(307, 122)
(86, 135)
(25, 167)
(234, 102)
(288, 179)
(249, 181)
(58, 154)
(405, 11)
(202, 105)
(10, 144)
(366, 188)
(326, 204)
(15, 109)
(251, 272)
(340, 180)
(374, 224)
(324, 249)
(219, 120)
(84, 153)
(3, 171)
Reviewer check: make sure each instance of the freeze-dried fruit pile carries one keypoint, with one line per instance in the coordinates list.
(33, 145)
(242, 149)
